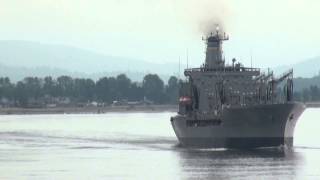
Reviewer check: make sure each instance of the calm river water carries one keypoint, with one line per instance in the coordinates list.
(141, 146)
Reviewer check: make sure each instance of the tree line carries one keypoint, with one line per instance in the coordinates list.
(33, 90)
(307, 89)
(311, 94)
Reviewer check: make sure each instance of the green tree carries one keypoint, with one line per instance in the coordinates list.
(153, 88)
(20, 95)
(113, 90)
(6, 88)
(306, 95)
(83, 89)
(33, 87)
(314, 93)
(172, 90)
(123, 86)
(50, 87)
(136, 92)
(297, 96)
(102, 90)
(65, 86)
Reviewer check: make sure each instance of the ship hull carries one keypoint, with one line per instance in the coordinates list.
(246, 127)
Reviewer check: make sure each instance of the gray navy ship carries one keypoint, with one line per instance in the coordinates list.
(233, 106)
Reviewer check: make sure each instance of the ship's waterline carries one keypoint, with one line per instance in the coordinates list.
(258, 126)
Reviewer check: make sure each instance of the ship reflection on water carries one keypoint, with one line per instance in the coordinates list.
(139, 146)
(237, 164)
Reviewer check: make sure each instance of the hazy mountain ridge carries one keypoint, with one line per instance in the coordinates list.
(18, 73)
(306, 69)
(19, 59)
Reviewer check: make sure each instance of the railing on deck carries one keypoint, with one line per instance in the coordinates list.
(224, 69)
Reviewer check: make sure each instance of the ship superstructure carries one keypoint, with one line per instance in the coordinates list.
(234, 106)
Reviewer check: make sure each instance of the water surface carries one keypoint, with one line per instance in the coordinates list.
(141, 146)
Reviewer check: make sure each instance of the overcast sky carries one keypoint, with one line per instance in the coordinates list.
(275, 32)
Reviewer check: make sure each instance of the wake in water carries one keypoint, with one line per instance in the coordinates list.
(82, 142)
(126, 142)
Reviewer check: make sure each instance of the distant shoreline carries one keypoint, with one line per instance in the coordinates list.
(102, 110)
(89, 110)
(312, 104)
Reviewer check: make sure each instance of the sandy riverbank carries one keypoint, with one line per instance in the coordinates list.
(89, 110)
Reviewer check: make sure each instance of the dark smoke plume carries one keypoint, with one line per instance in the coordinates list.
(205, 15)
